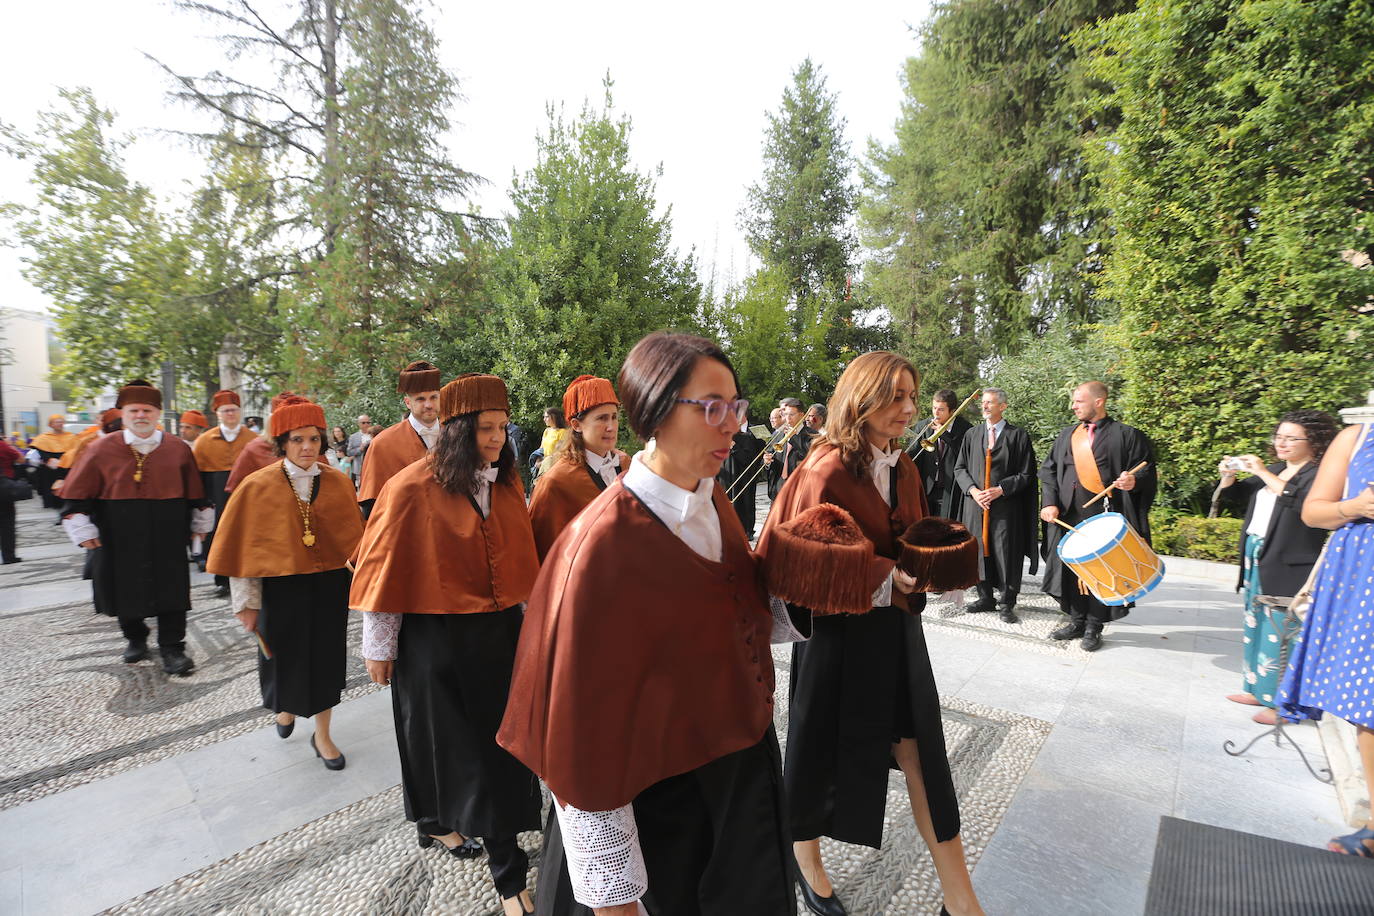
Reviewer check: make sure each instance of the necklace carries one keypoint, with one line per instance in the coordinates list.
(303, 506)
(139, 458)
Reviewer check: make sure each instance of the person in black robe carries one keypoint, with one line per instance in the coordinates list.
(784, 461)
(1116, 448)
(740, 474)
(136, 497)
(1008, 498)
(937, 464)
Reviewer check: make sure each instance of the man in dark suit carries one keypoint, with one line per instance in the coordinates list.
(937, 466)
(781, 465)
(995, 472)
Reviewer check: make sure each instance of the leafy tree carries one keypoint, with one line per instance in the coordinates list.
(357, 116)
(981, 221)
(799, 216)
(1240, 173)
(589, 268)
(97, 245)
(758, 325)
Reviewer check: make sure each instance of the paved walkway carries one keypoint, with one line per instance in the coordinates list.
(1137, 734)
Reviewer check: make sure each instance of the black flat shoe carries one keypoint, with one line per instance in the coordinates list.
(175, 661)
(330, 763)
(1091, 642)
(978, 607)
(284, 731)
(12, 560)
(1067, 631)
(135, 652)
(424, 839)
(1007, 615)
(821, 906)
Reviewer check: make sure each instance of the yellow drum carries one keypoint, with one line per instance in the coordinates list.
(1108, 557)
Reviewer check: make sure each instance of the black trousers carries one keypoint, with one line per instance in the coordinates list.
(6, 530)
(171, 630)
(1084, 610)
(508, 863)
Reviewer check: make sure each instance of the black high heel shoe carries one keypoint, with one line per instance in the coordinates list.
(468, 849)
(284, 731)
(821, 906)
(330, 763)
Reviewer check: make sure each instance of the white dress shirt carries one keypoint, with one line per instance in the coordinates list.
(143, 445)
(428, 434)
(880, 472)
(606, 466)
(230, 434)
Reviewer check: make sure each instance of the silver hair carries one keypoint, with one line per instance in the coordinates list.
(1000, 393)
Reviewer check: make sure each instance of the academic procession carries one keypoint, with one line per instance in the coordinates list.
(695, 665)
(481, 460)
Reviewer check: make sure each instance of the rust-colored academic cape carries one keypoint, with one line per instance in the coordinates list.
(823, 478)
(396, 447)
(260, 533)
(428, 551)
(614, 691)
(255, 456)
(83, 439)
(215, 453)
(560, 493)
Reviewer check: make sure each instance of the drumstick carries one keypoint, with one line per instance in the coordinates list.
(1113, 486)
(1063, 525)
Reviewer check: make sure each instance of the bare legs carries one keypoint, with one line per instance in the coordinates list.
(521, 903)
(1365, 741)
(948, 856)
(322, 740)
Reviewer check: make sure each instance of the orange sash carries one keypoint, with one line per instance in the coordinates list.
(1084, 464)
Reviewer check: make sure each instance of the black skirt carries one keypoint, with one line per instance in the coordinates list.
(448, 691)
(714, 841)
(304, 621)
(860, 684)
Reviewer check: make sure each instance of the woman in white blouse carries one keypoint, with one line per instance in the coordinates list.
(1277, 550)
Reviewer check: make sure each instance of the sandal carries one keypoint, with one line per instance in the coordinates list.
(1352, 844)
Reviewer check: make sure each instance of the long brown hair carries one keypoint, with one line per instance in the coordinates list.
(865, 387)
(575, 452)
(454, 462)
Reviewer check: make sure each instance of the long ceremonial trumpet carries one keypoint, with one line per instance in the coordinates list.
(928, 442)
(777, 445)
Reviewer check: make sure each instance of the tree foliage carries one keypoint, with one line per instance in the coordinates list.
(1242, 169)
(981, 224)
(589, 267)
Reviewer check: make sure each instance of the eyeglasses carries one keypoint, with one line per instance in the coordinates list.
(716, 411)
(1278, 438)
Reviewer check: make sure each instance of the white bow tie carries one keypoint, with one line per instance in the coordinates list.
(488, 474)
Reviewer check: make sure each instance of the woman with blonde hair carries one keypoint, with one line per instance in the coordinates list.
(862, 692)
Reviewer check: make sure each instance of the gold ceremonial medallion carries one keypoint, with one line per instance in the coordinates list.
(302, 506)
(308, 539)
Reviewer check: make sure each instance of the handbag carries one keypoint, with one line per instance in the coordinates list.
(13, 490)
(1303, 599)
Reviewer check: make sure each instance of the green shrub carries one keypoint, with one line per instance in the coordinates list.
(1195, 536)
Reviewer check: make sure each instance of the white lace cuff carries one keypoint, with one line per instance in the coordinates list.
(785, 627)
(245, 593)
(203, 520)
(80, 528)
(605, 863)
(883, 596)
(381, 632)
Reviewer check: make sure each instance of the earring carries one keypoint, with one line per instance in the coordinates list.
(649, 448)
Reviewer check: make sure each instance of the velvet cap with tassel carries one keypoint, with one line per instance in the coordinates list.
(470, 393)
(821, 560)
(586, 392)
(139, 391)
(940, 554)
(418, 378)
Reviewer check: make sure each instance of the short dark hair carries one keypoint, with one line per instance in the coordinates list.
(947, 397)
(1320, 428)
(654, 373)
(790, 402)
(279, 442)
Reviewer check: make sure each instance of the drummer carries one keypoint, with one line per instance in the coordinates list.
(1086, 458)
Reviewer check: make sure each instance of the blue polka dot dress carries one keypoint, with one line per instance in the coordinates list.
(1331, 666)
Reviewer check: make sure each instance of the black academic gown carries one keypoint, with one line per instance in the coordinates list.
(1117, 448)
(1013, 516)
(792, 454)
(44, 477)
(743, 464)
(937, 467)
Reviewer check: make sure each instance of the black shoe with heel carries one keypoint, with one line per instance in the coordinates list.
(821, 906)
(468, 849)
(284, 731)
(330, 763)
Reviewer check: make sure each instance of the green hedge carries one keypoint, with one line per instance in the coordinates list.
(1196, 537)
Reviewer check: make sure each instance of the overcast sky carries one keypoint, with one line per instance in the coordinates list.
(696, 80)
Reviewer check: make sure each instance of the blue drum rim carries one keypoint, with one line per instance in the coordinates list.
(1083, 558)
(1140, 592)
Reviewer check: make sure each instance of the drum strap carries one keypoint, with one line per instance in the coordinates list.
(1084, 464)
